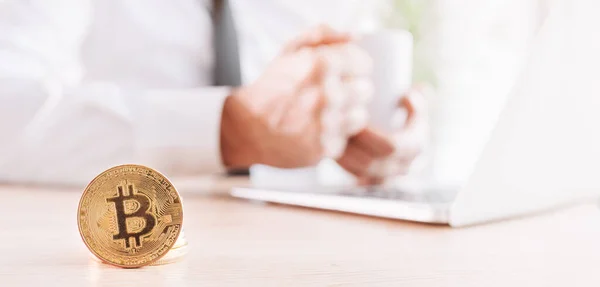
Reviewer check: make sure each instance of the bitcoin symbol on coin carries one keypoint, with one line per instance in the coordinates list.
(143, 203)
(130, 216)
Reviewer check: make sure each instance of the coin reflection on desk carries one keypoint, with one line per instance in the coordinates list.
(131, 216)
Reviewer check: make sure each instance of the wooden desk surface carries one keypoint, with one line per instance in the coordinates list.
(238, 243)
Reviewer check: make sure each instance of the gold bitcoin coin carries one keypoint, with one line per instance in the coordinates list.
(130, 216)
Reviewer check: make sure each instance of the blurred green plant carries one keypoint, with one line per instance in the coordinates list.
(415, 17)
(406, 14)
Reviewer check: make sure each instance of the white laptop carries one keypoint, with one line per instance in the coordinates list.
(543, 153)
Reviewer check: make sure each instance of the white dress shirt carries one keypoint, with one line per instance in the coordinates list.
(86, 84)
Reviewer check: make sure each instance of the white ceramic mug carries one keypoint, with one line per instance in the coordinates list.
(392, 54)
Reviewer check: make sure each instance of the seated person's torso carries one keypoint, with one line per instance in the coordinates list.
(168, 44)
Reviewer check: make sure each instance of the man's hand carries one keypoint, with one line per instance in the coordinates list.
(277, 119)
(399, 149)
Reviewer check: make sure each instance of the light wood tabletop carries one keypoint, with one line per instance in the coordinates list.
(239, 243)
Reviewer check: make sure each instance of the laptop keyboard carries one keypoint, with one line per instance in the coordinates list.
(389, 193)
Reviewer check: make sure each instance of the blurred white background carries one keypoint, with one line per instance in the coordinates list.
(472, 53)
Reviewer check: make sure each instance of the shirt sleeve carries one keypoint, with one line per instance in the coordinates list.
(55, 127)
